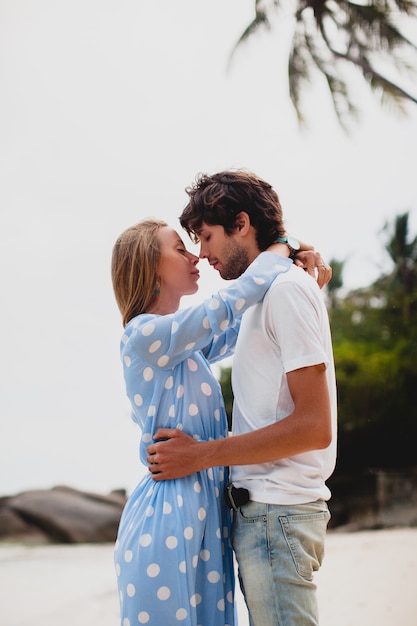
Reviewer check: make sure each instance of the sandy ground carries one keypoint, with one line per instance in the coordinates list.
(367, 579)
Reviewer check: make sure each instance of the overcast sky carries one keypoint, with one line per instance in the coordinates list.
(108, 110)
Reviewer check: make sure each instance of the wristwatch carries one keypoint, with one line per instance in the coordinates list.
(292, 243)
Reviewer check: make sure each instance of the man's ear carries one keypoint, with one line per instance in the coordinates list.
(242, 223)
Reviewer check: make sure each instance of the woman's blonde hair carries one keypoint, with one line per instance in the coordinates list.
(134, 268)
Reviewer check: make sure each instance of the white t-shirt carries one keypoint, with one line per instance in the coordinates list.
(287, 331)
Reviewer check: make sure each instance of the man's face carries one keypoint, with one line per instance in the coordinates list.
(225, 253)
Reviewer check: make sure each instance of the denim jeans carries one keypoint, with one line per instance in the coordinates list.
(278, 547)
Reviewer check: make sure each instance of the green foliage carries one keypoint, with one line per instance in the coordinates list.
(225, 380)
(375, 347)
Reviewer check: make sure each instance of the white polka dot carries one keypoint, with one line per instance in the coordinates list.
(146, 437)
(118, 570)
(145, 540)
(128, 556)
(220, 605)
(183, 567)
(205, 555)
(206, 323)
(153, 570)
(163, 360)
(174, 327)
(180, 391)
(197, 487)
(137, 399)
(155, 346)
(126, 621)
(181, 615)
(149, 492)
(221, 475)
(194, 561)
(206, 389)
(163, 593)
(143, 617)
(217, 415)
(195, 599)
(171, 412)
(224, 349)
(230, 597)
(213, 577)
(127, 361)
(201, 514)
(258, 281)
(131, 590)
(216, 492)
(152, 410)
(148, 373)
(193, 409)
(180, 500)
(148, 329)
(125, 339)
(213, 304)
(171, 542)
(150, 511)
(239, 304)
(210, 473)
(218, 534)
(192, 365)
(188, 532)
(167, 508)
(169, 383)
(224, 324)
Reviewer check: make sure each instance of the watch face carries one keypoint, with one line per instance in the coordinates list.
(293, 243)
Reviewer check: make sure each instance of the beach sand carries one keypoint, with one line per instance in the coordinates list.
(367, 579)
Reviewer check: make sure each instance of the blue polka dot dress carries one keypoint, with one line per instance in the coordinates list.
(173, 556)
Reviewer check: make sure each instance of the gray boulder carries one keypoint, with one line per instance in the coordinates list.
(61, 515)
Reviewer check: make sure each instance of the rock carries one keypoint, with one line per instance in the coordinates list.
(61, 515)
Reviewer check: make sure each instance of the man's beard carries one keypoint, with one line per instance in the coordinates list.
(236, 261)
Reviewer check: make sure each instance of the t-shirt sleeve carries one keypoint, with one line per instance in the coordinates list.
(294, 319)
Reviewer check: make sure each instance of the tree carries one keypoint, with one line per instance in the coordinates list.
(336, 282)
(330, 35)
(401, 284)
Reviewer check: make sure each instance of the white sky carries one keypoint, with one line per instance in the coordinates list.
(108, 110)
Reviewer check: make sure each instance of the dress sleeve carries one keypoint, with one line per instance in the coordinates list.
(222, 345)
(166, 340)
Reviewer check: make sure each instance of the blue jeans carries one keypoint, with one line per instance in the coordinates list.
(278, 547)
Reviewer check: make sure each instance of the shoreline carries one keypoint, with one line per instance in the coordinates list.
(367, 579)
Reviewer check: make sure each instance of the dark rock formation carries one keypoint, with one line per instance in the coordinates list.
(60, 515)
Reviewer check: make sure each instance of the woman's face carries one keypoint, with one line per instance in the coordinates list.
(178, 274)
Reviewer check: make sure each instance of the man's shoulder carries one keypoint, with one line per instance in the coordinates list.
(295, 276)
(294, 286)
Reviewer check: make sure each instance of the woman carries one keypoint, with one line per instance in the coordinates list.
(173, 555)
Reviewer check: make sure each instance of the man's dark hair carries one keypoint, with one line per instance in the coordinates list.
(219, 198)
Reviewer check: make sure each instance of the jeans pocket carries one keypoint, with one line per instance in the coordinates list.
(305, 535)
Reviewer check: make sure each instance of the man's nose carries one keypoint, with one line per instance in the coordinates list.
(203, 254)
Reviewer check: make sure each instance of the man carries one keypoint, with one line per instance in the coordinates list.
(283, 447)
